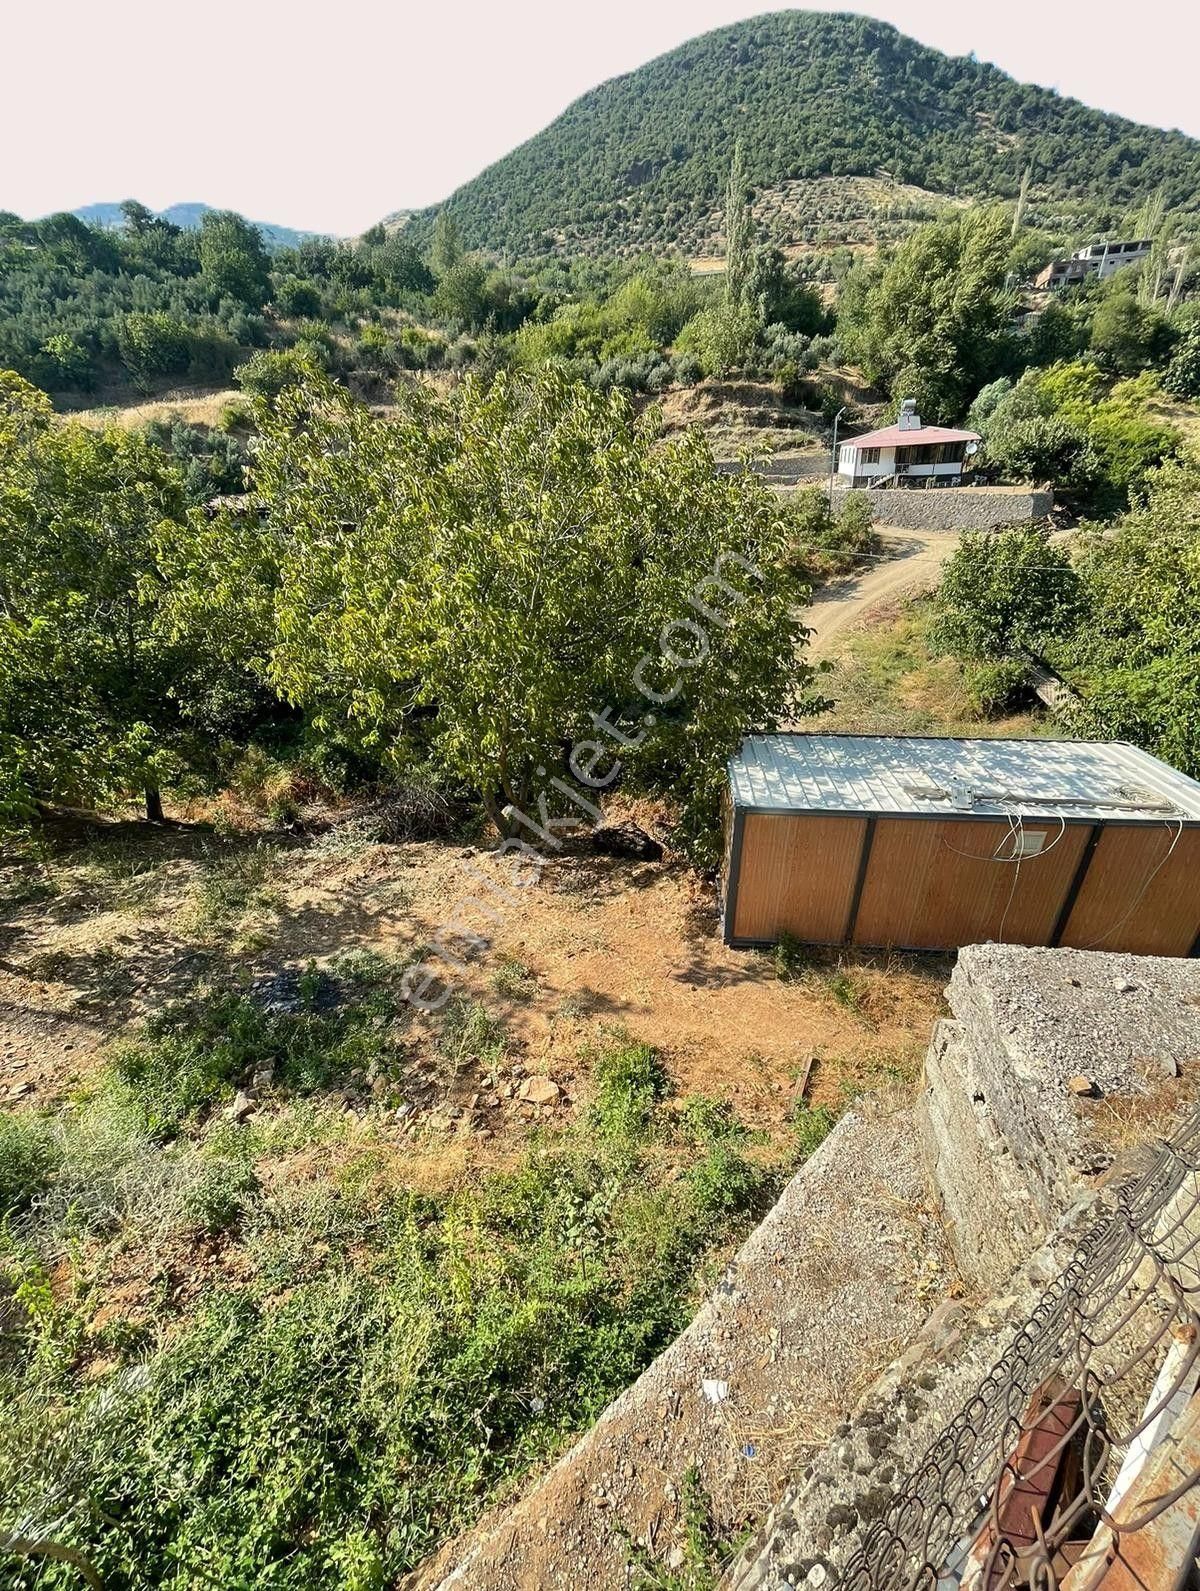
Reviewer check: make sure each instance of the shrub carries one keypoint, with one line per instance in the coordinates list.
(629, 1079)
(724, 1182)
(268, 374)
(992, 687)
(217, 1199)
(1004, 595)
(30, 1153)
(1183, 373)
(790, 957)
(812, 1125)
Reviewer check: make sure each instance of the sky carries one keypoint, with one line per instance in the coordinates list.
(328, 117)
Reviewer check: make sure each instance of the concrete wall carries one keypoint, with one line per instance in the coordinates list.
(956, 507)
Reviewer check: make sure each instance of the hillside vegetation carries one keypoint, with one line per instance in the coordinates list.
(641, 161)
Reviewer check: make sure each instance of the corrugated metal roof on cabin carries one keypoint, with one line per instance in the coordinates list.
(919, 774)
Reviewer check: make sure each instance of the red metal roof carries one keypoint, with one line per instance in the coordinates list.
(893, 436)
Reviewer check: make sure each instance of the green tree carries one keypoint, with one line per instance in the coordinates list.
(1127, 335)
(446, 249)
(472, 580)
(460, 295)
(1182, 375)
(96, 698)
(67, 363)
(720, 337)
(1137, 657)
(267, 373)
(233, 259)
(1004, 595)
(1072, 426)
(295, 295)
(937, 310)
(153, 344)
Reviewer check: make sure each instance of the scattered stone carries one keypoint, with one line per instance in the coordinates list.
(1124, 986)
(241, 1107)
(675, 1558)
(540, 1091)
(1082, 1087)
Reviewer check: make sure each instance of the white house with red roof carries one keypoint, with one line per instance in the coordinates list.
(907, 453)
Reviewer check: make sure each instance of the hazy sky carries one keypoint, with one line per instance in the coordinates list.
(329, 116)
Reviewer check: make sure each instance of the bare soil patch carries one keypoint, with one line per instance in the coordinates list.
(99, 937)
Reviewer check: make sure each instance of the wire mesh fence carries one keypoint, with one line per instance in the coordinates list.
(1075, 1464)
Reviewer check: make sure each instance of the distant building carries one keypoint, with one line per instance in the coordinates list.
(907, 453)
(1098, 259)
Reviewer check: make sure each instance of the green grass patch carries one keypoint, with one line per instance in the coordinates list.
(234, 884)
(513, 979)
(890, 680)
(391, 1363)
(196, 1051)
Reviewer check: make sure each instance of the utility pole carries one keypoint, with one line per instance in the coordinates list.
(833, 459)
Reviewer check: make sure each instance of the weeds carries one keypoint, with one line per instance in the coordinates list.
(790, 957)
(513, 979)
(846, 988)
(706, 1550)
(392, 1360)
(811, 1125)
(630, 1081)
(470, 1036)
(30, 1152)
(234, 884)
(197, 1051)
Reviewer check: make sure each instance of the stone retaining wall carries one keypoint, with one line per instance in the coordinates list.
(1046, 1052)
(956, 507)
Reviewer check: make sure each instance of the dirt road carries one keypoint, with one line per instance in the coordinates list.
(909, 559)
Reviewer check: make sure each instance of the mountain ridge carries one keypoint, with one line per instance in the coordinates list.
(640, 161)
(107, 213)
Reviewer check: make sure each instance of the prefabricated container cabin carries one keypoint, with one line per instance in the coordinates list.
(929, 843)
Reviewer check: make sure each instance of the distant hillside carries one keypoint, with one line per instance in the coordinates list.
(811, 96)
(189, 217)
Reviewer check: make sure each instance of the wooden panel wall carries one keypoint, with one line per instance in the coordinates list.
(932, 884)
(1165, 920)
(797, 876)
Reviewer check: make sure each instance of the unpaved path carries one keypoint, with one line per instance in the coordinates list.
(909, 559)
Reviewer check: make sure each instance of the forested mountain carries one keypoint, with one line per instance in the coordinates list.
(189, 217)
(642, 159)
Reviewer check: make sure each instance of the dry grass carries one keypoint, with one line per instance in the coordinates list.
(887, 681)
(196, 407)
(1127, 1121)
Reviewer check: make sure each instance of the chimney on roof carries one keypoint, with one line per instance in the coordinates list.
(909, 419)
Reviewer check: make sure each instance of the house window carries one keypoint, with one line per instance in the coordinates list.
(870, 455)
